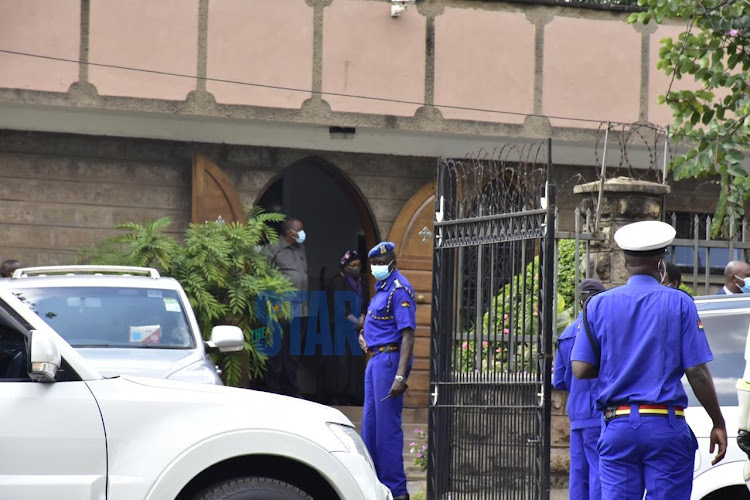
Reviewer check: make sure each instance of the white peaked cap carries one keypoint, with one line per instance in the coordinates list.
(645, 236)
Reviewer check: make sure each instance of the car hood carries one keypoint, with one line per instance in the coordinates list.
(701, 424)
(157, 363)
(248, 407)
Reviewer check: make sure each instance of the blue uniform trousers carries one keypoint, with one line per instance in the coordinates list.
(381, 422)
(584, 481)
(655, 453)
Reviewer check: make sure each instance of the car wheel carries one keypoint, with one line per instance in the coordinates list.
(253, 488)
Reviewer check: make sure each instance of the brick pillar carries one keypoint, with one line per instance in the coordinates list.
(624, 201)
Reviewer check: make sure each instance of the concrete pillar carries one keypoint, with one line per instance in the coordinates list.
(624, 200)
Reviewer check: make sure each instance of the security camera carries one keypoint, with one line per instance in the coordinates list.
(399, 6)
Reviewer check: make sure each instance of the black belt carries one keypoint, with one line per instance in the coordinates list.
(384, 348)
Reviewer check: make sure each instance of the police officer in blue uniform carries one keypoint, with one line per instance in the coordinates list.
(639, 339)
(389, 336)
(585, 419)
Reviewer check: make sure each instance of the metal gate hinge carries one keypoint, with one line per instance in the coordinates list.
(434, 396)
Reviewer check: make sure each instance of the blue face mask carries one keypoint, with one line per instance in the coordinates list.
(381, 272)
(745, 287)
(300, 237)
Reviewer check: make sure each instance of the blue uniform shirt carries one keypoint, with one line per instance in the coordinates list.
(649, 335)
(391, 310)
(583, 393)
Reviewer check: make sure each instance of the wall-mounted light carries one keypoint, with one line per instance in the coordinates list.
(342, 132)
(399, 6)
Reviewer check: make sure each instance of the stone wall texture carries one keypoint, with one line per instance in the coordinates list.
(60, 193)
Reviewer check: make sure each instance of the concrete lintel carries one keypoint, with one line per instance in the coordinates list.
(624, 185)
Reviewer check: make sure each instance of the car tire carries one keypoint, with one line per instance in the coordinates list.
(253, 488)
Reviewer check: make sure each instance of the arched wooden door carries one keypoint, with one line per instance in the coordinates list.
(413, 232)
(213, 193)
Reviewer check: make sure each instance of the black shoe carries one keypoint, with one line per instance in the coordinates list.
(402, 497)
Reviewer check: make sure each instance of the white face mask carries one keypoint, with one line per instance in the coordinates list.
(381, 272)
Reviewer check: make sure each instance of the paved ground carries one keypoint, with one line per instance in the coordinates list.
(417, 486)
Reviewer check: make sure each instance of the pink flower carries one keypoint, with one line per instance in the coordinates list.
(412, 444)
(506, 331)
(499, 350)
(484, 343)
(464, 346)
(424, 447)
(419, 454)
(505, 317)
(417, 431)
(733, 32)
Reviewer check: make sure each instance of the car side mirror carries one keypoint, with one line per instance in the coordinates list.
(226, 338)
(44, 356)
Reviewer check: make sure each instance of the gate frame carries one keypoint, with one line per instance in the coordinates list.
(438, 480)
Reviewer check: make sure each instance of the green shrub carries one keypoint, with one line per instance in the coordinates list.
(220, 266)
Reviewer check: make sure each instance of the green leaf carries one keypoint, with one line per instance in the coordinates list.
(735, 156)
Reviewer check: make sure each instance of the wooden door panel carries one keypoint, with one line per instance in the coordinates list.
(422, 331)
(412, 233)
(422, 347)
(421, 281)
(213, 193)
(423, 315)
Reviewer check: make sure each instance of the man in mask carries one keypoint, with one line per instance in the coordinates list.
(639, 339)
(585, 419)
(736, 279)
(389, 337)
(288, 255)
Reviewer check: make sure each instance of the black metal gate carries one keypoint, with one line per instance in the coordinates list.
(491, 350)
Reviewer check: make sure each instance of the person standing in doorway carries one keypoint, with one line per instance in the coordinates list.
(389, 336)
(585, 419)
(639, 340)
(344, 372)
(288, 255)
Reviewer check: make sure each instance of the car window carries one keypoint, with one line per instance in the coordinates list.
(726, 331)
(112, 316)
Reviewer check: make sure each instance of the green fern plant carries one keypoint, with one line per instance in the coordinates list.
(220, 266)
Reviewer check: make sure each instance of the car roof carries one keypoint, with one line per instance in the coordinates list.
(91, 281)
(722, 302)
(98, 276)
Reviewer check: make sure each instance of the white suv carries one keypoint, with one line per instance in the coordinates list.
(124, 320)
(69, 433)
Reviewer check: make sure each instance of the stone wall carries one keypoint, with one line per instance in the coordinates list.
(60, 193)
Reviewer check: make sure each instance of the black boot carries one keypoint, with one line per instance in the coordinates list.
(402, 497)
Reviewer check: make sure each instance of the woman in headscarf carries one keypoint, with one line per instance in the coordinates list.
(344, 373)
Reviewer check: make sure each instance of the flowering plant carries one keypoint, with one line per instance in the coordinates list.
(419, 447)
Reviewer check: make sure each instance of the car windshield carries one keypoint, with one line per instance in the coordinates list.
(112, 317)
(726, 330)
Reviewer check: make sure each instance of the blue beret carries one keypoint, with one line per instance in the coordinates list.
(381, 248)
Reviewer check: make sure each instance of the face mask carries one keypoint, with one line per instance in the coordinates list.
(381, 272)
(662, 268)
(301, 236)
(353, 272)
(745, 287)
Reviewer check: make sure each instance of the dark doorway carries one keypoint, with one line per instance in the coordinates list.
(336, 219)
